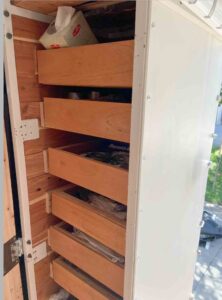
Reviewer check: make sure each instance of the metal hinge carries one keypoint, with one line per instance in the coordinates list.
(28, 130)
(13, 250)
(16, 250)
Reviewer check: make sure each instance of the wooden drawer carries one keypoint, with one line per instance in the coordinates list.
(105, 228)
(78, 284)
(87, 259)
(100, 65)
(95, 118)
(102, 178)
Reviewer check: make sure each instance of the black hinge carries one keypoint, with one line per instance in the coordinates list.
(13, 250)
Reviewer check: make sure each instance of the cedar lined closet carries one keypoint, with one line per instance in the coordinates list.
(68, 128)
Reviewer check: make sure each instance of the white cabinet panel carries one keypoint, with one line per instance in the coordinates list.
(184, 75)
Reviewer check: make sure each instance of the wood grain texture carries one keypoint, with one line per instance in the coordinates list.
(25, 57)
(30, 110)
(109, 231)
(45, 7)
(51, 138)
(91, 262)
(39, 185)
(99, 177)
(95, 118)
(12, 285)
(40, 221)
(49, 7)
(45, 285)
(35, 164)
(27, 28)
(100, 65)
(27, 73)
(79, 284)
(9, 222)
(12, 280)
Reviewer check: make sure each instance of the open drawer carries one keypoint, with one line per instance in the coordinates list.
(105, 228)
(79, 284)
(98, 65)
(85, 257)
(95, 118)
(99, 177)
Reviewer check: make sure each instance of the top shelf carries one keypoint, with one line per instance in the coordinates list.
(98, 65)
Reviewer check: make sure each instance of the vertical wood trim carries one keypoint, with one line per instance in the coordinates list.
(137, 115)
(9, 222)
(15, 118)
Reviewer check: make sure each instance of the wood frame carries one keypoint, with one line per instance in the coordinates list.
(108, 65)
(79, 284)
(107, 180)
(95, 118)
(12, 286)
(15, 119)
(106, 229)
(88, 260)
(143, 276)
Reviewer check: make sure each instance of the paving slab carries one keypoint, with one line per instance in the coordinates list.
(208, 273)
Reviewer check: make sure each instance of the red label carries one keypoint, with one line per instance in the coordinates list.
(76, 30)
(55, 46)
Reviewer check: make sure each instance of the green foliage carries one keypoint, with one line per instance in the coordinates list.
(214, 183)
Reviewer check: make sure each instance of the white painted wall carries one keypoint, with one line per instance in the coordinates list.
(184, 73)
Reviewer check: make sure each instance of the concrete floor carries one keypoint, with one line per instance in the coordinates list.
(208, 274)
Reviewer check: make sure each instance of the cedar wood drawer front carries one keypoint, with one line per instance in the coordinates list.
(99, 65)
(96, 176)
(86, 259)
(94, 118)
(79, 284)
(109, 231)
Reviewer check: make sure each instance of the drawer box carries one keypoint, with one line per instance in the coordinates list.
(99, 177)
(94, 118)
(101, 226)
(78, 284)
(99, 65)
(86, 258)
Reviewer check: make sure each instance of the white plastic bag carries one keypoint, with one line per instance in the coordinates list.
(69, 29)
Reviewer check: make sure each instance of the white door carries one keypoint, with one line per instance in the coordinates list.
(182, 78)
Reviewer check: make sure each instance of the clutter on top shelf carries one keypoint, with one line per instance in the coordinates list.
(69, 29)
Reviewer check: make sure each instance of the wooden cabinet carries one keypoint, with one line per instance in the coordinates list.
(100, 65)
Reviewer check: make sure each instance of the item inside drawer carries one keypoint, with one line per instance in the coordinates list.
(98, 166)
(92, 257)
(115, 154)
(94, 245)
(78, 283)
(116, 158)
(99, 224)
(102, 203)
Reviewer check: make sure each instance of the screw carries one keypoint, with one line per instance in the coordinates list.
(29, 255)
(9, 35)
(6, 13)
(29, 242)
